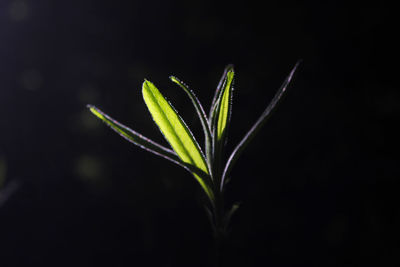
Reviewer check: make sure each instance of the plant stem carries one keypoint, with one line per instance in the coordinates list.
(219, 228)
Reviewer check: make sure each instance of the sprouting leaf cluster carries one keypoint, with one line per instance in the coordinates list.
(207, 166)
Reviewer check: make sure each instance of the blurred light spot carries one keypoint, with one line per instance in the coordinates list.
(89, 168)
(18, 10)
(3, 169)
(7, 191)
(87, 121)
(31, 80)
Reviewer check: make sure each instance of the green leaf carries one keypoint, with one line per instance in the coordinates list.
(220, 120)
(218, 90)
(175, 132)
(145, 143)
(134, 137)
(224, 106)
(256, 127)
(200, 112)
(217, 98)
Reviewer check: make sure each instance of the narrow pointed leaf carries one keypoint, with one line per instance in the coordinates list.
(219, 120)
(256, 127)
(175, 131)
(144, 142)
(218, 93)
(224, 106)
(200, 112)
(134, 137)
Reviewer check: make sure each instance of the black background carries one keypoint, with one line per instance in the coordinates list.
(318, 186)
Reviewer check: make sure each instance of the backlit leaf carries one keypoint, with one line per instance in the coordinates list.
(200, 112)
(224, 106)
(220, 120)
(217, 98)
(175, 132)
(256, 127)
(218, 90)
(134, 137)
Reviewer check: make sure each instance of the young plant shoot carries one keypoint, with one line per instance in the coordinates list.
(207, 166)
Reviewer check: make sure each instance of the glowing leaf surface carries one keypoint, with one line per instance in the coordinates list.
(175, 131)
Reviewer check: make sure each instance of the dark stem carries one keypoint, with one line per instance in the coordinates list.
(219, 229)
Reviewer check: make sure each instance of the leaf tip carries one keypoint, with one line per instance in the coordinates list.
(146, 85)
(90, 106)
(95, 111)
(229, 68)
(176, 80)
(230, 71)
